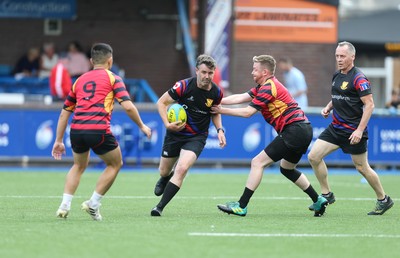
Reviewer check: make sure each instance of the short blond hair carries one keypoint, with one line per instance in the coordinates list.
(267, 61)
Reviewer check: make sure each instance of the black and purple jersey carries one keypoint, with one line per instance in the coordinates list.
(347, 90)
(197, 104)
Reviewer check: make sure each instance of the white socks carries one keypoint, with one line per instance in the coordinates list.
(67, 199)
(95, 200)
(66, 202)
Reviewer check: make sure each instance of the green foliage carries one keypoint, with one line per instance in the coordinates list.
(278, 223)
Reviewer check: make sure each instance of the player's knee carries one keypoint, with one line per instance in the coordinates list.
(80, 167)
(291, 174)
(363, 170)
(313, 159)
(181, 170)
(257, 163)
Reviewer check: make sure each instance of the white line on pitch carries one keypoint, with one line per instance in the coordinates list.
(184, 197)
(290, 235)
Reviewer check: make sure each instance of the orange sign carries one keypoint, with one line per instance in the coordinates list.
(285, 21)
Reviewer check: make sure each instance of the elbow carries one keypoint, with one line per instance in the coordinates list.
(247, 114)
(371, 106)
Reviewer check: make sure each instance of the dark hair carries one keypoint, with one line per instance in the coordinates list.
(285, 60)
(207, 60)
(100, 53)
(77, 45)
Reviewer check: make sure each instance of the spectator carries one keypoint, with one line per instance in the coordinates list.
(294, 81)
(28, 64)
(60, 82)
(76, 62)
(394, 102)
(48, 60)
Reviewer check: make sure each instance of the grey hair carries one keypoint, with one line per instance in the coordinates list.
(350, 47)
(266, 60)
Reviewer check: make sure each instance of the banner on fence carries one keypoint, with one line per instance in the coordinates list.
(32, 133)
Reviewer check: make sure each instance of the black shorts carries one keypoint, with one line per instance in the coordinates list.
(99, 143)
(174, 143)
(291, 143)
(331, 136)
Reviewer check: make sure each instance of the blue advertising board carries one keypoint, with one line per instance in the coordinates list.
(32, 133)
(55, 9)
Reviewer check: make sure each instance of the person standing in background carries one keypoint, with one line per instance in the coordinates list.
(294, 81)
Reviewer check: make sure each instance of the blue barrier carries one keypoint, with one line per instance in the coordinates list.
(138, 88)
(141, 89)
(31, 133)
(25, 85)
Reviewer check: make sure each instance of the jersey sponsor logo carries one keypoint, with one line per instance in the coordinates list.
(209, 102)
(340, 97)
(364, 86)
(344, 85)
(191, 98)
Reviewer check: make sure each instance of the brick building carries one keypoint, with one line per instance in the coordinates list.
(145, 36)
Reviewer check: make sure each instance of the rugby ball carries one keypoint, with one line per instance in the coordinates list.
(176, 113)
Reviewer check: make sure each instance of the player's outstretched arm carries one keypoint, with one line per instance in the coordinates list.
(242, 112)
(236, 99)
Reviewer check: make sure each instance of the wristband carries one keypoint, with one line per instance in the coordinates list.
(220, 129)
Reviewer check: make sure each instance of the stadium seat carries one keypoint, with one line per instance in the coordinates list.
(5, 70)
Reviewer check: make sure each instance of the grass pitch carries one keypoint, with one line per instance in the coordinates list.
(278, 223)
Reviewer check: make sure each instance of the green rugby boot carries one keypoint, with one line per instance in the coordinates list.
(233, 208)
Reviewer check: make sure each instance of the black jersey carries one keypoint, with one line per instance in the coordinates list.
(347, 90)
(197, 104)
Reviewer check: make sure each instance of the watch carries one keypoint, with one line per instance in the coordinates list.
(220, 129)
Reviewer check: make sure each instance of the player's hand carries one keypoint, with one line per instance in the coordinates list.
(58, 150)
(325, 112)
(355, 137)
(222, 139)
(176, 126)
(146, 130)
(216, 109)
